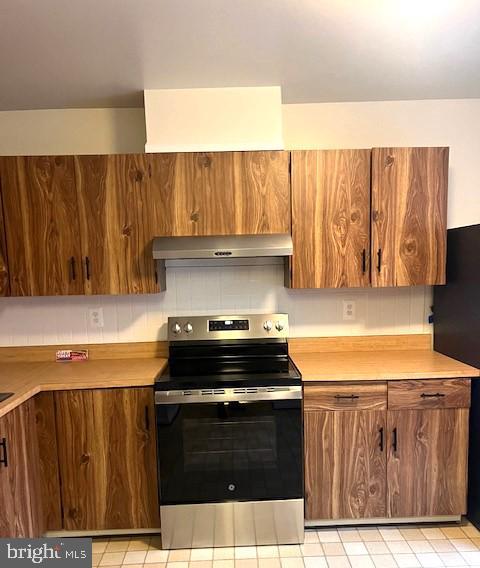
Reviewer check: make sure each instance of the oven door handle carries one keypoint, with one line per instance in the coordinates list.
(248, 394)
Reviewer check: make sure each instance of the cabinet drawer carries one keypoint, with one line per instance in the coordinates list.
(345, 396)
(432, 393)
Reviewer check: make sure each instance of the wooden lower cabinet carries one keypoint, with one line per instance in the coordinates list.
(427, 462)
(20, 510)
(107, 458)
(345, 464)
(49, 474)
(379, 463)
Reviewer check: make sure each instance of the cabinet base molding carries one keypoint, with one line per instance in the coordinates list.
(103, 532)
(308, 524)
(382, 521)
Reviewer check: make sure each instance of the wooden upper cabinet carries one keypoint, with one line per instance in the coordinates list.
(41, 225)
(116, 223)
(330, 218)
(4, 278)
(427, 462)
(107, 458)
(220, 193)
(409, 216)
(261, 192)
(85, 224)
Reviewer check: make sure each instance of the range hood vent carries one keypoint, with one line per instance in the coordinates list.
(222, 250)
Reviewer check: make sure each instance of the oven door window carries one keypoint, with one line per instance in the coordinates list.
(230, 451)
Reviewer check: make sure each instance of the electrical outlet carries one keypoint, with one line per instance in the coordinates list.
(96, 317)
(349, 309)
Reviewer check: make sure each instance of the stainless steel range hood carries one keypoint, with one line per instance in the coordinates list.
(221, 250)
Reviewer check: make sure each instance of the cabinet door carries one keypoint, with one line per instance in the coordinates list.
(345, 464)
(7, 512)
(427, 462)
(20, 511)
(220, 193)
(409, 216)
(41, 224)
(107, 454)
(116, 224)
(4, 278)
(49, 475)
(261, 192)
(330, 218)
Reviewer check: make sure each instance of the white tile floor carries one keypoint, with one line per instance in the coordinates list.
(373, 547)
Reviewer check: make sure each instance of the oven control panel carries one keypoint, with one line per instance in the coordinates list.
(228, 325)
(255, 326)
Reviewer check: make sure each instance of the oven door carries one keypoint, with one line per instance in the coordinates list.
(230, 445)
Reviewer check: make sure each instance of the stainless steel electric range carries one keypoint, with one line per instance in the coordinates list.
(229, 428)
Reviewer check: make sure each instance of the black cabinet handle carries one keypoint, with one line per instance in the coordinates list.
(379, 261)
(73, 268)
(87, 267)
(147, 418)
(346, 396)
(381, 445)
(395, 440)
(364, 261)
(3, 445)
(435, 395)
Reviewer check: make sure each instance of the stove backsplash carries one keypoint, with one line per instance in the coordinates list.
(190, 291)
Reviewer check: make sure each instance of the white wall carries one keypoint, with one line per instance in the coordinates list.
(129, 318)
(72, 131)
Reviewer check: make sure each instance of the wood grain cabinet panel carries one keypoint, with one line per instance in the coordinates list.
(20, 511)
(107, 454)
(41, 224)
(345, 464)
(49, 475)
(261, 192)
(427, 462)
(77, 459)
(432, 393)
(116, 223)
(318, 430)
(409, 216)
(4, 277)
(193, 193)
(351, 396)
(330, 218)
(220, 193)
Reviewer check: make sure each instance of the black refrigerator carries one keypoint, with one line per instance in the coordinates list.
(456, 324)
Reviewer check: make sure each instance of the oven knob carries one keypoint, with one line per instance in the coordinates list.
(267, 326)
(188, 327)
(279, 326)
(176, 329)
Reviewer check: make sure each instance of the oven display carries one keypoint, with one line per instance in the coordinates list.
(228, 325)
